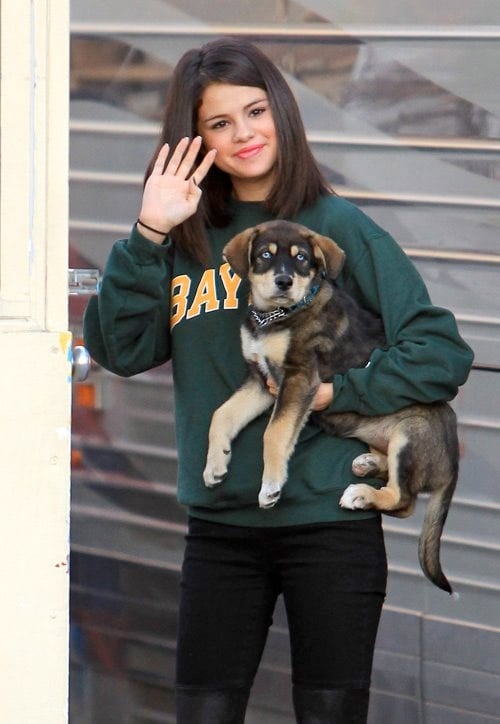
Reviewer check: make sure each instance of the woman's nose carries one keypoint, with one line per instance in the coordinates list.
(243, 131)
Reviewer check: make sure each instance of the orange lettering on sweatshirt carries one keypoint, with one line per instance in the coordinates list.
(180, 290)
(206, 295)
(231, 283)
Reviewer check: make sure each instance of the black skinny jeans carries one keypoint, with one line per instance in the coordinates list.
(332, 577)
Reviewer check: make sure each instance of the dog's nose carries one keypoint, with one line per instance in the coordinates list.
(283, 282)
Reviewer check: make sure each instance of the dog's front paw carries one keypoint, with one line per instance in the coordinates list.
(269, 494)
(357, 497)
(216, 467)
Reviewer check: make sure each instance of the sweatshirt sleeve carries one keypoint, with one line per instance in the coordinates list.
(426, 360)
(126, 326)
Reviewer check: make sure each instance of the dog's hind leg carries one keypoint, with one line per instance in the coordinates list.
(247, 403)
(394, 497)
(373, 464)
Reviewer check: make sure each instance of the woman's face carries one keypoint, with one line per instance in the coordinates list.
(237, 121)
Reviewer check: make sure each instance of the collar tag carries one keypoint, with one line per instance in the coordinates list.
(264, 319)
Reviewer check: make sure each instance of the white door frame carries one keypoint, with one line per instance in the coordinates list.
(35, 355)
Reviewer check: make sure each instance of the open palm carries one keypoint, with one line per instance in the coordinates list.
(171, 194)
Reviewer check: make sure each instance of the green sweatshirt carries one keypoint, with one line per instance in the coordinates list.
(155, 305)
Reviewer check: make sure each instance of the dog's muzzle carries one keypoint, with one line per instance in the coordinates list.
(283, 282)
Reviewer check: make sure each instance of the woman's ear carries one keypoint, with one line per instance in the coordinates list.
(237, 251)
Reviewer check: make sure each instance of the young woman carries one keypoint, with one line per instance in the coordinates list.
(233, 153)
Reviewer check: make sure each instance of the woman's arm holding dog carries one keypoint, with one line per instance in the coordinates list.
(426, 360)
(322, 399)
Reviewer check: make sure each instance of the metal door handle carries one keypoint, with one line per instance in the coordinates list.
(81, 364)
(83, 282)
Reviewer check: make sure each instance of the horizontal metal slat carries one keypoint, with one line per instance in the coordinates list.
(125, 557)
(438, 143)
(123, 179)
(417, 199)
(303, 33)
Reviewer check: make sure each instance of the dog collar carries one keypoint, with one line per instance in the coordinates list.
(264, 319)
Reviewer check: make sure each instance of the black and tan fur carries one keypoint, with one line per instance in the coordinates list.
(415, 450)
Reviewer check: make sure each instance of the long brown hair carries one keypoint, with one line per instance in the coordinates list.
(237, 62)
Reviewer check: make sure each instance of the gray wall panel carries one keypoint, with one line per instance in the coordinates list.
(451, 715)
(392, 709)
(470, 647)
(461, 688)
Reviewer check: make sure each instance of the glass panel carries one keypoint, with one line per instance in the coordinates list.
(431, 89)
(414, 172)
(118, 74)
(407, 13)
(446, 229)
(398, 13)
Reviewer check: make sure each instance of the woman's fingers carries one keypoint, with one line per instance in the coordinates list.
(159, 164)
(204, 167)
(175, 160)
(181, 164)
(186, 166)
(272, 386)
(183, 158)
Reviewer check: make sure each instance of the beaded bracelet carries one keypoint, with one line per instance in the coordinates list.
(156, 231)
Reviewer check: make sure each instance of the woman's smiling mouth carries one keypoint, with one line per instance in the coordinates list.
(249, 151)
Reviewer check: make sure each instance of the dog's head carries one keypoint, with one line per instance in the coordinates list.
(281, 259)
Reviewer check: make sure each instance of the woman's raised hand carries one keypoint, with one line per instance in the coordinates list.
(171, 193)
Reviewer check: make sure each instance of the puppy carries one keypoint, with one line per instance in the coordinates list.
(300, 330)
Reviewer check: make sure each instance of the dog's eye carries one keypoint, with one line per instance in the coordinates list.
(266, 255)
(301, 257)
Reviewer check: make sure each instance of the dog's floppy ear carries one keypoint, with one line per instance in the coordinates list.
(329, 254)
(237, 251)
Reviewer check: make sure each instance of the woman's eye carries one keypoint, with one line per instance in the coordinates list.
(257, 111)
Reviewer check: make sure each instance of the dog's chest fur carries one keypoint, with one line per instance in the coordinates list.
(267, 351)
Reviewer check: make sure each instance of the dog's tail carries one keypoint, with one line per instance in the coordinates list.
(432, 528)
